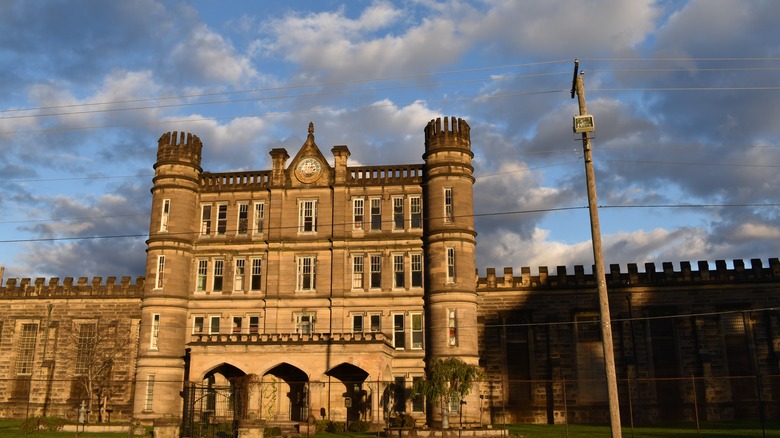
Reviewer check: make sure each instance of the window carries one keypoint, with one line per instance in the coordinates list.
(25, 353)
(417, 272)
(238, 321)
(243, 218)
(357, 271)
(418, 402)
(166, 211)
(449, 216)
(358, 210)
(158, 282)
(219, 269)
(155, 335)
(375, 320)
(259, 218)
(417, 331)
(399, 275)
(399, 394)
(399, 331)
(214, 325)
(517, 354)
(238, 275)
(205, 220)
(307, 216)
(357, 323)
(222, 218)
(254, 323)
(203, 270)
(376, 271)
(306, 273)
(450, 265)
(85, 347)
(376, 213)
(197, 325)
(452, 326)
(737, 341)
(257, 273)
(304, 323)
(415, 206)
(398, 213)
(590, 359)
(149, 400)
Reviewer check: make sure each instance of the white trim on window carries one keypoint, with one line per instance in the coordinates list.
(154, 336)
(165, 214)
(306, 273)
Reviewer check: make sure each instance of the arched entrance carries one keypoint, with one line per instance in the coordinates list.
(295, 390)
(356, 398)
(211, 407)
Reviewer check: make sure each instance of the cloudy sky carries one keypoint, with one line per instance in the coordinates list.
(685, 94)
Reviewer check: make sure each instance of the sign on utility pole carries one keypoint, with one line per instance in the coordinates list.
(583, 124)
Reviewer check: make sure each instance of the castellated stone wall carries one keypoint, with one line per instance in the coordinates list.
(706, 339)
(60, 340)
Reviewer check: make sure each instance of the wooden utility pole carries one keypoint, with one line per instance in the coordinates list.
(578, 88)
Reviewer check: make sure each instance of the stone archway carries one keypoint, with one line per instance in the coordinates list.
(355, 396)
(293, 388)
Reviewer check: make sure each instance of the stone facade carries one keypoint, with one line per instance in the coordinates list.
(313, 290)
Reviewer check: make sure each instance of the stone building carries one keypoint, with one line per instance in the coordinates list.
(320, 290)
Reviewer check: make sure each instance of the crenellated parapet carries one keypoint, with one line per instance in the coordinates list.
(651, 276)
(179, 147)
(447, 131)
(380, 175)
(83, 287)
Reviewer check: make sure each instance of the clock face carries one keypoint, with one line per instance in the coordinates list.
(308, 169)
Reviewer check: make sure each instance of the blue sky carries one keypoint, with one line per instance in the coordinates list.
(685, 94)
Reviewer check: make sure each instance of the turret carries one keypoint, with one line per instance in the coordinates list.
(173, 229)
(450, 242)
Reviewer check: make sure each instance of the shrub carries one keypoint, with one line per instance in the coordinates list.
(335, 427)
(358, 426)
(52, 423)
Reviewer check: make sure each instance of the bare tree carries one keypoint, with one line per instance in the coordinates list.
(100, 348)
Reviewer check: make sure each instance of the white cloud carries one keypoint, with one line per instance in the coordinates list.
(207, 55)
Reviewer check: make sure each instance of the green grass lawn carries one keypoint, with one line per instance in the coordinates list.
(10, 429)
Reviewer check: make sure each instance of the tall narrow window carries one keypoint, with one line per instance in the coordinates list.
(160, 277)
(197, 325)
(238, 275)
(449, 215)
(203, 271)
(376, 271)
(205, 220)
(219, 272)
(398, 213)
(149, 399)
(222, 218)
(418, 402)
(376, 213)
(25, 353)
(452, 326)
(166, 211)
(737, 341)
(399, 274)
(415, 207)
(450, 265)
(357, 271)
(307, 216)
(357, 323)
(257, 273)
(259, 221)
(254, 324)
(304, 323)
(375, 320)
(590, 359)
(243, 218)
(154, 336)
(306, 273)
(417, 331)
(85, 351)
(358, 211)
(214, 325)
(399, 331)
(399, 394)
(417, 272)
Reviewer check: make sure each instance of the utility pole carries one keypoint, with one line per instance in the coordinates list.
(584, 124)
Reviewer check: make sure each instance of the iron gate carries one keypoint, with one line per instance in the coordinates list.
(211, 411)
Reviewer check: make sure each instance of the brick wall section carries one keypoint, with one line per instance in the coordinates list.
(52, 388)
